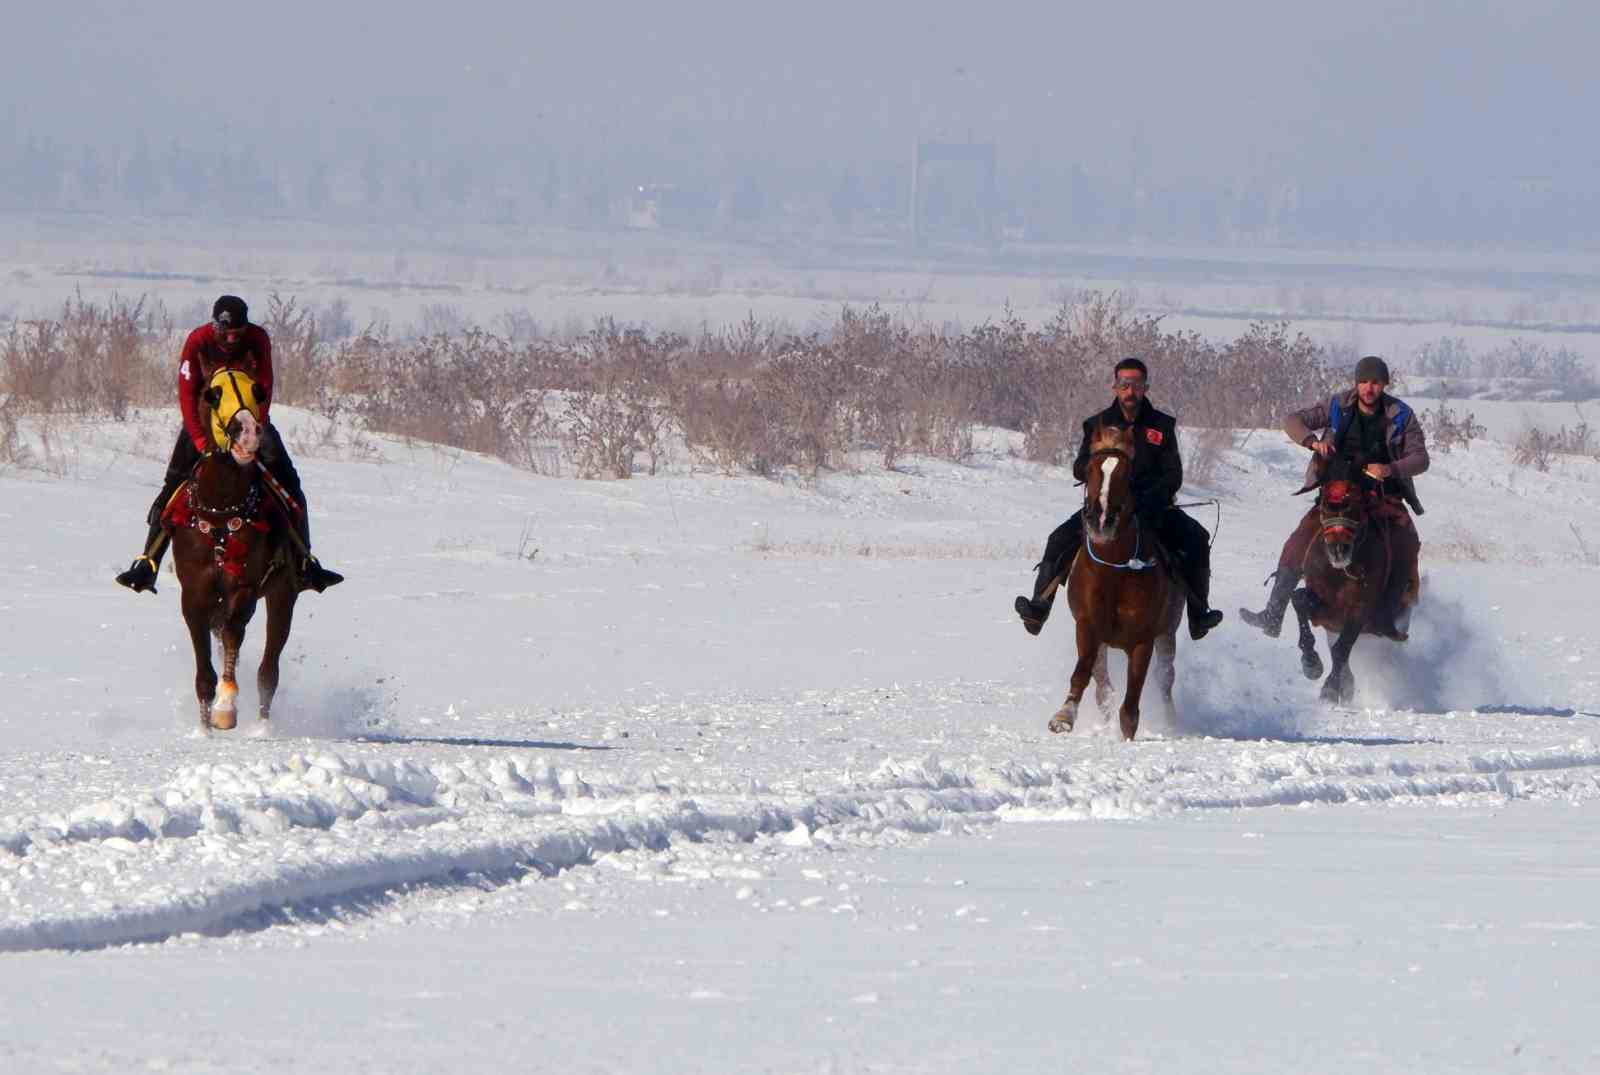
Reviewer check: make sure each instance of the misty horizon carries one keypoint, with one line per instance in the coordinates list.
(1427, 121)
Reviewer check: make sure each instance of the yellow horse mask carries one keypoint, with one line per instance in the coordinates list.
(234, 394)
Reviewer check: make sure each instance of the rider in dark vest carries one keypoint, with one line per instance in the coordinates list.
(229, 341)
(1157, 477)
(1363, 424)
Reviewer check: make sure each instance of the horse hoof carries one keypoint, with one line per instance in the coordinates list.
(1311, 665)
(225, 707)
(1064, 718)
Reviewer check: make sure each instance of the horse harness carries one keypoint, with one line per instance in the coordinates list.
(1340, 497)
(232, 529)
(1134, 562)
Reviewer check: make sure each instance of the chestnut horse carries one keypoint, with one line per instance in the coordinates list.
(1120, 590)
(226, 550)
(1346, 576)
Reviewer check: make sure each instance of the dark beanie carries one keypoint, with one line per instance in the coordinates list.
(229, 311)
(1372, 368)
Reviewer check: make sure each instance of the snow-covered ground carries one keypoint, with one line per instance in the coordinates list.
(698, 773)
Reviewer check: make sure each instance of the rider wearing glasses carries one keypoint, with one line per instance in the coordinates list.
(228, 341)
(1157, 477)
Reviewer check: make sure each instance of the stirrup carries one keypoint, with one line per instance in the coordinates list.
(313, 576)
(139, 580)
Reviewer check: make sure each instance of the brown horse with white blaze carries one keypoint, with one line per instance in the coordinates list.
(226, 551)
(1120, 591)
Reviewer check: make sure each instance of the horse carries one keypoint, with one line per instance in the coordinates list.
(229, 553)
(1120, 590)
(1346, 574)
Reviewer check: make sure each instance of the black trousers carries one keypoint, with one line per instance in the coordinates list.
(272, 454)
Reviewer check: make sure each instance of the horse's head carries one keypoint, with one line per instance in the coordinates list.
(235, 401)
(1108, 492)
(1342, 510)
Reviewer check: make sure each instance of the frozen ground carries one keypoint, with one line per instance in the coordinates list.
(699, 773)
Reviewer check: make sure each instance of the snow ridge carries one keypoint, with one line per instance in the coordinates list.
(270, 836)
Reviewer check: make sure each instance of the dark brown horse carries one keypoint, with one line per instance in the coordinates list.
(1120, 590)
(228, 555)
(1346, 576)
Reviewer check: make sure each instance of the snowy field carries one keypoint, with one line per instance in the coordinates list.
(698, 773)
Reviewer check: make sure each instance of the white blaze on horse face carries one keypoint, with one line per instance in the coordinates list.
(248, 440)
(1108, 467)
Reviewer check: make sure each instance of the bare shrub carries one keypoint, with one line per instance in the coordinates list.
(1447, 430)
(1447, 356)
(474, 392)
(714, 399)
(299, 360)
(93, 359)
(35, 358)
(1205, 456)
(724, 423)
(1250, 383)
(12, 453)
(805, 392)
(1532, 448)
(1538, 448)
(618, 408)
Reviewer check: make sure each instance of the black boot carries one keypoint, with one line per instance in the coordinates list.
(141, 575)
(1036, 609)
(313, 576)
(1270, 619)
(1197, 576)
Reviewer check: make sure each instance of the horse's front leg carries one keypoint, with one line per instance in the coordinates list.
(1166, 664)
(1138, 667)
(1305, 602)
(280, 615)
(197, 616)
(1088, 650)
(1340, 686)
(225, 710)
(1104, 689)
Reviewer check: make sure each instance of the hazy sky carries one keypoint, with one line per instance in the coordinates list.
(1224, 88)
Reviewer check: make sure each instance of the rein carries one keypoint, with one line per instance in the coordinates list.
(1132, 563)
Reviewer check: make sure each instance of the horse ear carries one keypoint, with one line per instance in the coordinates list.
(212, 396)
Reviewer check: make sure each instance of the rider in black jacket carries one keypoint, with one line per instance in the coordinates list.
(1157, 477)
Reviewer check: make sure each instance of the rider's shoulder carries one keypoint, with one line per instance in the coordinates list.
(1155, 418)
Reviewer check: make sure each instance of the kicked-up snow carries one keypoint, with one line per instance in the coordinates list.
(726, 774)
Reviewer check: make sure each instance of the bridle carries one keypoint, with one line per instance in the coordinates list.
(1339, 497)
(1133, 562)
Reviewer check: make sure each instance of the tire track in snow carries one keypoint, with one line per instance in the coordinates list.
(225, 847)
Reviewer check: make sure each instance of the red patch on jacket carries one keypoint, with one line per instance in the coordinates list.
(1153, 436)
